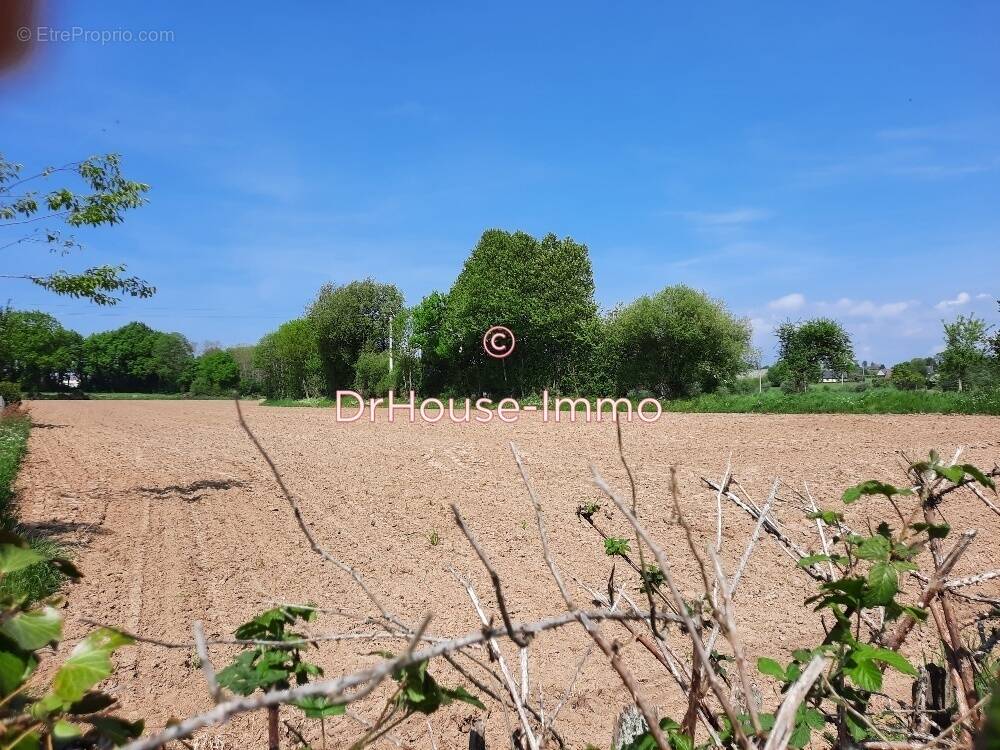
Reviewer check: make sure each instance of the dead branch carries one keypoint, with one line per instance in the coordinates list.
(702, 656)
(588, 625)
(206, 663)
(494, 576)
(516, 697)
(784, 721)
(313, 543)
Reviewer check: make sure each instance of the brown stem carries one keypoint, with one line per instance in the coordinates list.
(273, 740)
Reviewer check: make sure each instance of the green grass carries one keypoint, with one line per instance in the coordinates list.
(306, 402)
(842, 401)
(36, 581)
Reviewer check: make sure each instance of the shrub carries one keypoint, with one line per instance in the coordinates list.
(372, 376)
(906, 377)
(10, 392)
(678, 342)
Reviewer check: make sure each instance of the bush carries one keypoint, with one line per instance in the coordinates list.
(906, 377)
(678, 342)
(372, 376)
(861, 387)
(10, 392)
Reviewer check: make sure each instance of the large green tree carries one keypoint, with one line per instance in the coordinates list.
(216, 371)
(32, 209)
(35, 350)
(429, 341)
(351, 319)
(806, 348)
(541, 289)
(135, 358)
(287, 361)
(966, 349)
(677, 342)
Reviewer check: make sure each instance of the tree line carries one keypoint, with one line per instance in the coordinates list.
(361, 336)
(676, 342)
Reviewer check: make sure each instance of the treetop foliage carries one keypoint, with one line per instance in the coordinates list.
(106, 197)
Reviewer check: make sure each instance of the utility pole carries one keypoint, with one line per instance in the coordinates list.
(390, 343)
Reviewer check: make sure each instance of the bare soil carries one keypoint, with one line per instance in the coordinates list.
(173, 517)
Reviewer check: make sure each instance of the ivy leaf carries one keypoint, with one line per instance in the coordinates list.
(88, 663)
(872, 487)
(34, 628)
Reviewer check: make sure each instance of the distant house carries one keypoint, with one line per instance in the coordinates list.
(883, 373)
(829, 376)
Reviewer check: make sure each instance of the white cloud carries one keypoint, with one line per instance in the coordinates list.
(732, 218)
(792, 301)
(962, 299)
(984, 295)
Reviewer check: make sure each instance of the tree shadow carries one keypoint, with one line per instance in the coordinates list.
(195, 490)
(46, 426)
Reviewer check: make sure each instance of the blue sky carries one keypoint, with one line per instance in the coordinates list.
(789, 161)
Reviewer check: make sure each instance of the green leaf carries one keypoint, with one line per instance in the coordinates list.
(809, 560)
(829, 517)
(13, 557)
(615, 546)
(865, 674)
(771, 667)
(91, 703)
(872, 487)
(15, 668)
(934, 530)
(118, 731)
(800, 735)
(979, 476)
(34, 628)
(873, 548)
(814, 718)
(953, 474)
(64, 730)
(883, 583)
(893, 658)
(461, 694)
(88, 663)
(319, 707)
